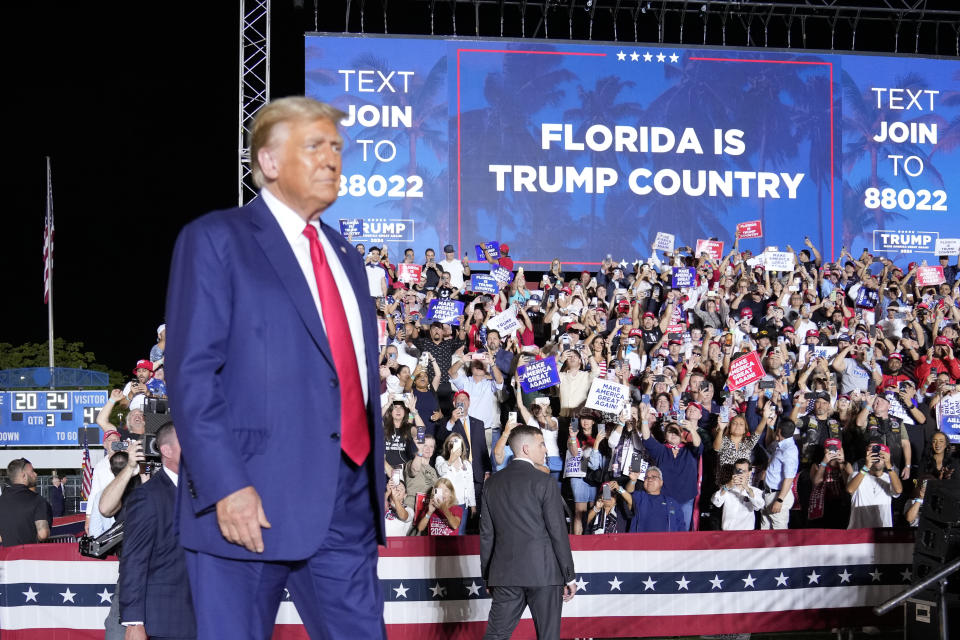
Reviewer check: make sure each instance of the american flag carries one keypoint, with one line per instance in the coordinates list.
(628, 585)
(87, 468)
(48, 239)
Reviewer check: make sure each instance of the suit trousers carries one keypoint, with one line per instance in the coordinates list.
(336, 591)
(508, 603)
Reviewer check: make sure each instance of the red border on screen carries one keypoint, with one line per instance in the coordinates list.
(603, 55)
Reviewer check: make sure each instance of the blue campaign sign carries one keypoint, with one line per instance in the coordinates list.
(492, 247)
(868, 298)
(482, 283)
(829, 145)
(503, 276)
(352, 228)
(538, 375)
(444, 310)
(47, 418)
(684, 277)
(948, 417)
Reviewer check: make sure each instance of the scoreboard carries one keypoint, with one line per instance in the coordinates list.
(51, 418)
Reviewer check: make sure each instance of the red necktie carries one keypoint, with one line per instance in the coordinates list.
(354, 434)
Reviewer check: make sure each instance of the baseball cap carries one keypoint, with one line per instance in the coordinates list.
(449, 249)
(697, 405)
(832, 442)
(942, 341)
(895, 356)
(161, 329)
(862, 341)
(746, 313)
(461, 393)
(504, 248)
(143, 364)
(648, 314)
(635, 332)
(813, 333)
(788, 329)
(843, 337)
(110, 433)
(674, 341)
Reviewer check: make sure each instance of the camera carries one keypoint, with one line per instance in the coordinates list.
(151, 451)
(102, 545)
(766, 384)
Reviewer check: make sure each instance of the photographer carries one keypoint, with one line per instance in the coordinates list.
(153, 590)
(739, 500)
(145, 385)
(443, 514)
(873, 485)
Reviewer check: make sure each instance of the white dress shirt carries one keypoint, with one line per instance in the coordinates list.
(739, 505)
(102, 476)
(292, 226)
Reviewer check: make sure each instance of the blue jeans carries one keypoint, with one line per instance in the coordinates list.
(687, 509)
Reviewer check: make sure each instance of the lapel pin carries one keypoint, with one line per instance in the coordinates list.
(343, 249)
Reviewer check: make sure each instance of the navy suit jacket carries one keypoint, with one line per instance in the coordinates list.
(153, 583)
(252, 384)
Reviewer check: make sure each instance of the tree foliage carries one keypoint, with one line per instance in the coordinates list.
(72, 355)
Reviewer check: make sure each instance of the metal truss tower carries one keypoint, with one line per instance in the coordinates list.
(254, 84)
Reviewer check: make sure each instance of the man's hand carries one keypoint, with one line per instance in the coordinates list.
(569, 591)
(116, 395)
(135, 455)
(776, 506)
(240, 516)
(135, 632)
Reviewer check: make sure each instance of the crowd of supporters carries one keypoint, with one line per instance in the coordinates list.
(841, 431)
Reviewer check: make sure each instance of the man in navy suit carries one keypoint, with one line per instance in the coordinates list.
(272, 374)
(153, 587)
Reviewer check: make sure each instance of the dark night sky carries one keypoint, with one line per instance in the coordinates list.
(137, 108)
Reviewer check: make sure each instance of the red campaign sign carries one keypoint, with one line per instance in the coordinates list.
(712, 248)
(382, 334)
(408, 272)
(930, 276)
(752, 229)
(745, 370)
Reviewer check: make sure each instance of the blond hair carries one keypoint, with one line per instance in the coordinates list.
(284, 110)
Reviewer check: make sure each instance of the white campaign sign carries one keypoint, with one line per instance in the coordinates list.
(506, 322)
(779, 261)
(607, 396)
(664, 241)
(947, 247)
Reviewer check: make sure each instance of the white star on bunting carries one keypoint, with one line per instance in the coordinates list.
(748, 581)
(105, 596)
(473, 589)
(615, 584)
(875, 575)
(68, 595)
(845, 576)
(621, 55)
(907, 575)
(682, 583)
(648, 584)
(438, 591)
(647, 57)
(814, 578)
(634, 57)
(781, 580)
(661, 57)
(31, 594)
(674, 57)
(581, 584)
(716, 582)
(401, 591)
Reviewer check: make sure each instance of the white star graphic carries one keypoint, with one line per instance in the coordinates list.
(748, 581)
(907, 575)
(845, 576)
(438, 591)
(68, 595)
(615, 584)
(648, 584)
(682, 583)
(661, 57)
(647, 57)
(106, 596)
(716, 582)
(634, 57)
(31, 594)
(674, 57)
(401, 591)
(621, 55)
(623, 264)
(581, 584)
(473, 589)
(814, 578)
(781, 580)
(875, 575)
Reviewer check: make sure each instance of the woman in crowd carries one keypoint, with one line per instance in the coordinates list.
(582, 457)
(418, 474)
(451, 465)
(398, 435)
(540, 415)
(937, 461)
(426, 381)
(733, 441)
(829, 506)
(443, 515)
(399, 519)
(574, 382)
(477, 331)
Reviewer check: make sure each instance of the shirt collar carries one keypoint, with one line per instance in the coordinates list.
(289, 220)
(173, 475)
(527, 460)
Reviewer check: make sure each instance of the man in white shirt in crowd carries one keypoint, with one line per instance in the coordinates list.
(484, 382)
(739, 500)
(376, 274)
(456, 268)
(784, 462)
(872, 489)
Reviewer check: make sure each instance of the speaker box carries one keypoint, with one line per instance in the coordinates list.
(937, 540)
(941, 502)
(922, 617)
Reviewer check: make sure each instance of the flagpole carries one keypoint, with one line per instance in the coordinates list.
(49, 267)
